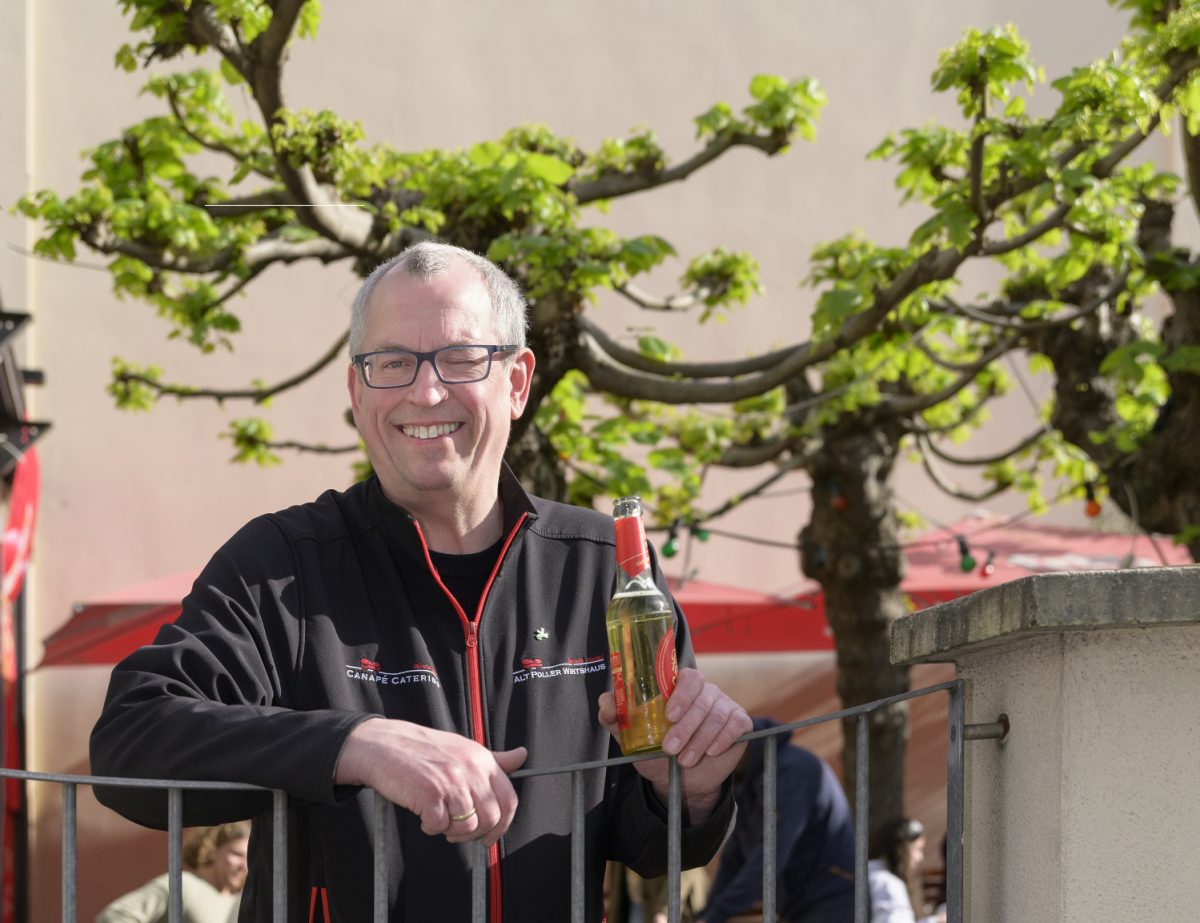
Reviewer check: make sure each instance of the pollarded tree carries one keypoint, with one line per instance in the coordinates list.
(894, 359)
(189, 242)
(897, 361)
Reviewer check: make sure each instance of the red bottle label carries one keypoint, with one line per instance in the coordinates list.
(632, 555)
(618, 680)
(666, 664)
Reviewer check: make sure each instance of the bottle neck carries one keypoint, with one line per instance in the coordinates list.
(633, 554)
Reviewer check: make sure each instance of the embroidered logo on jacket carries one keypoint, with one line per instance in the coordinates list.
(370, 671)
(533, 668)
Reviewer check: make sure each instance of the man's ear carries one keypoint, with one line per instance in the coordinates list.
(354, 385)
(520, 378)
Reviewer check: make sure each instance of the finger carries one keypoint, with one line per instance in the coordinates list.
(511, 760)
(688, 685)
(464, 829)
(739, 723)
(606, 712)
(435, 818)
(715, 734)
(690, 721)
(506, 802)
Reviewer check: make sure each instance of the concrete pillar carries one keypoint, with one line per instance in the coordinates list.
(1089, 810)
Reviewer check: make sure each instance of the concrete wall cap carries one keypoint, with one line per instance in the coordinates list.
(1070, 601)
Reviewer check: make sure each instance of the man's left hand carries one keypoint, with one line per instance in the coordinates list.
(705, 725)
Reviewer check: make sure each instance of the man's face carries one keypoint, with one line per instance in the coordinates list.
(229, 865)
(430, 442)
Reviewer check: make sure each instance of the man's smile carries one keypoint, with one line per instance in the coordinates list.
(418, 431)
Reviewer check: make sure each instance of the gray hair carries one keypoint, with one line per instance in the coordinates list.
(431, 258)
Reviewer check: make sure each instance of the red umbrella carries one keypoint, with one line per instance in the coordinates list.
(106, 628)
(723, 619)
(952, 561)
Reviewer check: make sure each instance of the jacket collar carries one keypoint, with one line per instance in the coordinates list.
(401, 526)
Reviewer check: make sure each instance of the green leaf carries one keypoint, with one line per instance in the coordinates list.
(548, 169)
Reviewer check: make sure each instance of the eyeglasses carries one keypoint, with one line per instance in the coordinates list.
(454, 365)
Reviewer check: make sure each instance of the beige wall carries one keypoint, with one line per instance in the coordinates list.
(1088, 810)
(130, 497)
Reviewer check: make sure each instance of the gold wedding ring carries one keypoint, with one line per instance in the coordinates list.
(467, 816)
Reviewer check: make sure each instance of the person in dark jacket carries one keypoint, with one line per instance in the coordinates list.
(420, 636)
(814, 840)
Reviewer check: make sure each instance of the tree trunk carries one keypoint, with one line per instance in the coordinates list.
(530, 455)
(852, 546)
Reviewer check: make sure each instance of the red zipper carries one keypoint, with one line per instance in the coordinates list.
(475, 685)
(312, 904)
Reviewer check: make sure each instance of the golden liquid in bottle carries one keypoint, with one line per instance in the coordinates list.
(641, 642)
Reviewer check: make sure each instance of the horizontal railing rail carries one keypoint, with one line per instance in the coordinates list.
(958, 732)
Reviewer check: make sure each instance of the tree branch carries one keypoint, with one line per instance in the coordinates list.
(349, 227)
(919, 342)
(313, 448)
(257, 395)
(257, 256)
(733, 502)
(248, 204)
(952, 489)
(270, 45)
(728, 369)
(209, 144)
(896, 405)
(204, 22)
(628, 382)
(670, 303)
(621, 184)
(981, 460)
(1051, 221)
(976, 161)
(1017, 326)
(751, 456)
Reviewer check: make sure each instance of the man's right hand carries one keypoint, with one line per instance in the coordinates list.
(435, 774)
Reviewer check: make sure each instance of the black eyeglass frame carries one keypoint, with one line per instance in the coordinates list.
(430, 356)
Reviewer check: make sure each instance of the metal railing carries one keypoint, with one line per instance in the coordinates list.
(958, 733)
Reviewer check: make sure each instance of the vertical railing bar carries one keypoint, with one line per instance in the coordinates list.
(674, 848)
(955, 804)
(279, 856)
(770, 823)
(69, 882)
(578, 897)
(379, 848)
(862, 815)
(175, 855)
(479, 864)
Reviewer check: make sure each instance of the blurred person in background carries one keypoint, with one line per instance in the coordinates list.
(895, 874)
(814, 858)
(214, 870)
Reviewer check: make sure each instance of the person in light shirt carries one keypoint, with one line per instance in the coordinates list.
(894, 874)
(214, 860)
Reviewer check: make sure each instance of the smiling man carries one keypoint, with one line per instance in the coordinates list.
(414, 636)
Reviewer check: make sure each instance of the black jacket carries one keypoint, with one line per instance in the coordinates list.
(814, 841)
(309, 621)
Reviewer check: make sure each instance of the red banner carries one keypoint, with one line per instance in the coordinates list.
(18, 540)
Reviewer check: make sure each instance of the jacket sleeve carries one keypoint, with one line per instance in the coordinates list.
(737, 891)
(639, 828)
(210, 698)
(640, 818)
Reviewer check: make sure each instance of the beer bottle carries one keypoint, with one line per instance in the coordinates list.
(641, 637)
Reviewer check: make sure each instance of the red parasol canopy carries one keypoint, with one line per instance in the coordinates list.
(106, 628)
(722, 618)
(728, 619)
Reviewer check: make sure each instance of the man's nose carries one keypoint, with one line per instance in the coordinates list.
(427, 387)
